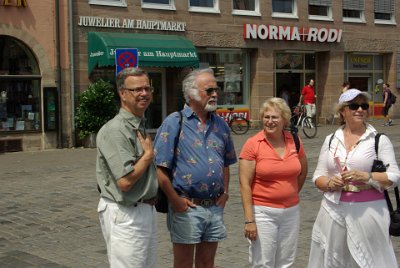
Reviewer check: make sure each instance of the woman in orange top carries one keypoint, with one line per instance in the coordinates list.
(272, 174)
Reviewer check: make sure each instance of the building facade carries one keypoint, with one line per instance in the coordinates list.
(257, 49)
(35, 104)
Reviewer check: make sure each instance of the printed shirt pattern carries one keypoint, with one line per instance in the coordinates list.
(201, 154)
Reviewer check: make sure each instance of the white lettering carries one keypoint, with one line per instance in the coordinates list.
(96, 54)
(284, 33)
(295, 34)
(262, 32)
(322, 35)
(272, 32)
(312, 34)
(333, 34)
(106, 22)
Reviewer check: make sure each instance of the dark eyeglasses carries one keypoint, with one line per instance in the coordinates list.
(211, 90)
(137, 90)
(356, 106)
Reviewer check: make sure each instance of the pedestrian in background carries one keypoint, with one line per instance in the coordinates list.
(272, 173)
(308, 97)
(387, 103)
(126, 176)
(345, 86)
(352, 226)
(200, 167)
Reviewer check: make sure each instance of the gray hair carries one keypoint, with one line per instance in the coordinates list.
(125, 73)
(278, 104)
(189, 83)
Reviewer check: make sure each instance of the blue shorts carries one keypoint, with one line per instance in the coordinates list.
(197, 225)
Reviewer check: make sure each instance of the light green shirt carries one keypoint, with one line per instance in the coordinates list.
(118, 149)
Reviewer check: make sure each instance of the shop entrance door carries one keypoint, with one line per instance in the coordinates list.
(157, 109)
(290, 84)
(360, 83)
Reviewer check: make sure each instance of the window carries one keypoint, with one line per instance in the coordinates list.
(19, 87)
(353, 11)
(284, 8)
(206, 6)
(384, 11)
(118, 3)
(246, 7)
(320, 9)
(159, 4)
(230, 71)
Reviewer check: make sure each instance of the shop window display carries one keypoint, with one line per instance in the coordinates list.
(19, 87)
(229, 69)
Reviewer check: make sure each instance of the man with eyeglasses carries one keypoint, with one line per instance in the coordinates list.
(200, 171)
(126, 176)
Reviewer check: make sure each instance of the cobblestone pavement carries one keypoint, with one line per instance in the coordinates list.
(48, 215)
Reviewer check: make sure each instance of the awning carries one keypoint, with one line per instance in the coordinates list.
(155, 50)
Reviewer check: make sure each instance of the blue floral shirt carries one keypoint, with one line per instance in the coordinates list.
(201, 154)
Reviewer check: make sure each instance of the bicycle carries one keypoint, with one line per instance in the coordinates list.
(236, 121)
(299, 118)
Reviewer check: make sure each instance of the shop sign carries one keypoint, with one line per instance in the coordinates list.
(292, 33)
(15, 3)
(360, 62)
(224, 113)
(107, 22)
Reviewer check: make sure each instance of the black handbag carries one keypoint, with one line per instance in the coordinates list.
(162, 199)
(379, 166)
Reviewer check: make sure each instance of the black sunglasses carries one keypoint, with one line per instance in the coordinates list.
(211, 90)
(356, 106)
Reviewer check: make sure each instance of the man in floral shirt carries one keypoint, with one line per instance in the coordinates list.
(200, 168)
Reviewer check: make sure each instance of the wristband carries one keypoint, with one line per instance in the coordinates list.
(248, 222)
(327, 185)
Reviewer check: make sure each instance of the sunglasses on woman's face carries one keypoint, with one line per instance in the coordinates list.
(356, 106)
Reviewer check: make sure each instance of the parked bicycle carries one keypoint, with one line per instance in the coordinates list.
(237, 122)
(300, 119)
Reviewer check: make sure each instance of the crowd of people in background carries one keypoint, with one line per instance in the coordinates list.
(190, 164)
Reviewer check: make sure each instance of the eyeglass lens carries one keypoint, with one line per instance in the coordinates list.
(355, 106)
(141, 89)
(211, 90)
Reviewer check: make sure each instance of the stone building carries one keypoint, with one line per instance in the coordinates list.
(35, 99)
(257, 49)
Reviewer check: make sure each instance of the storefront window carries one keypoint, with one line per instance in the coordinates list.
(289, 61)
(230, 71)
(19, 87)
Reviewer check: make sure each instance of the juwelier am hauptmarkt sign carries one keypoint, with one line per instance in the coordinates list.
(124, 23)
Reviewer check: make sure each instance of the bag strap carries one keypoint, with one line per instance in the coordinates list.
(330, 140)
(296, 140)
(377, 136)
(176, 141)
(396, 189)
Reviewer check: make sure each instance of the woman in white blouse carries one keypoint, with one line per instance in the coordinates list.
(352, 226)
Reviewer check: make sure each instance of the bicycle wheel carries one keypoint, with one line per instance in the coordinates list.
(239, 125)
(309, 127)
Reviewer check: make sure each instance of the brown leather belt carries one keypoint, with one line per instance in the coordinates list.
(356, 188)
(203, 202)
(151, 201)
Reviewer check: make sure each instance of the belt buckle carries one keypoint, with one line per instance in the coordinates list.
(206, 203)
(351, 188)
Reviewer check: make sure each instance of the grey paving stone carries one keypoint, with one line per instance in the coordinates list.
(48, 202)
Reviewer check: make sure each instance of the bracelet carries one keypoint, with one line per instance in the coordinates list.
(327, 185)
(248, 222)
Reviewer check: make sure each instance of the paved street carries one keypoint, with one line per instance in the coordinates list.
(48, 215)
